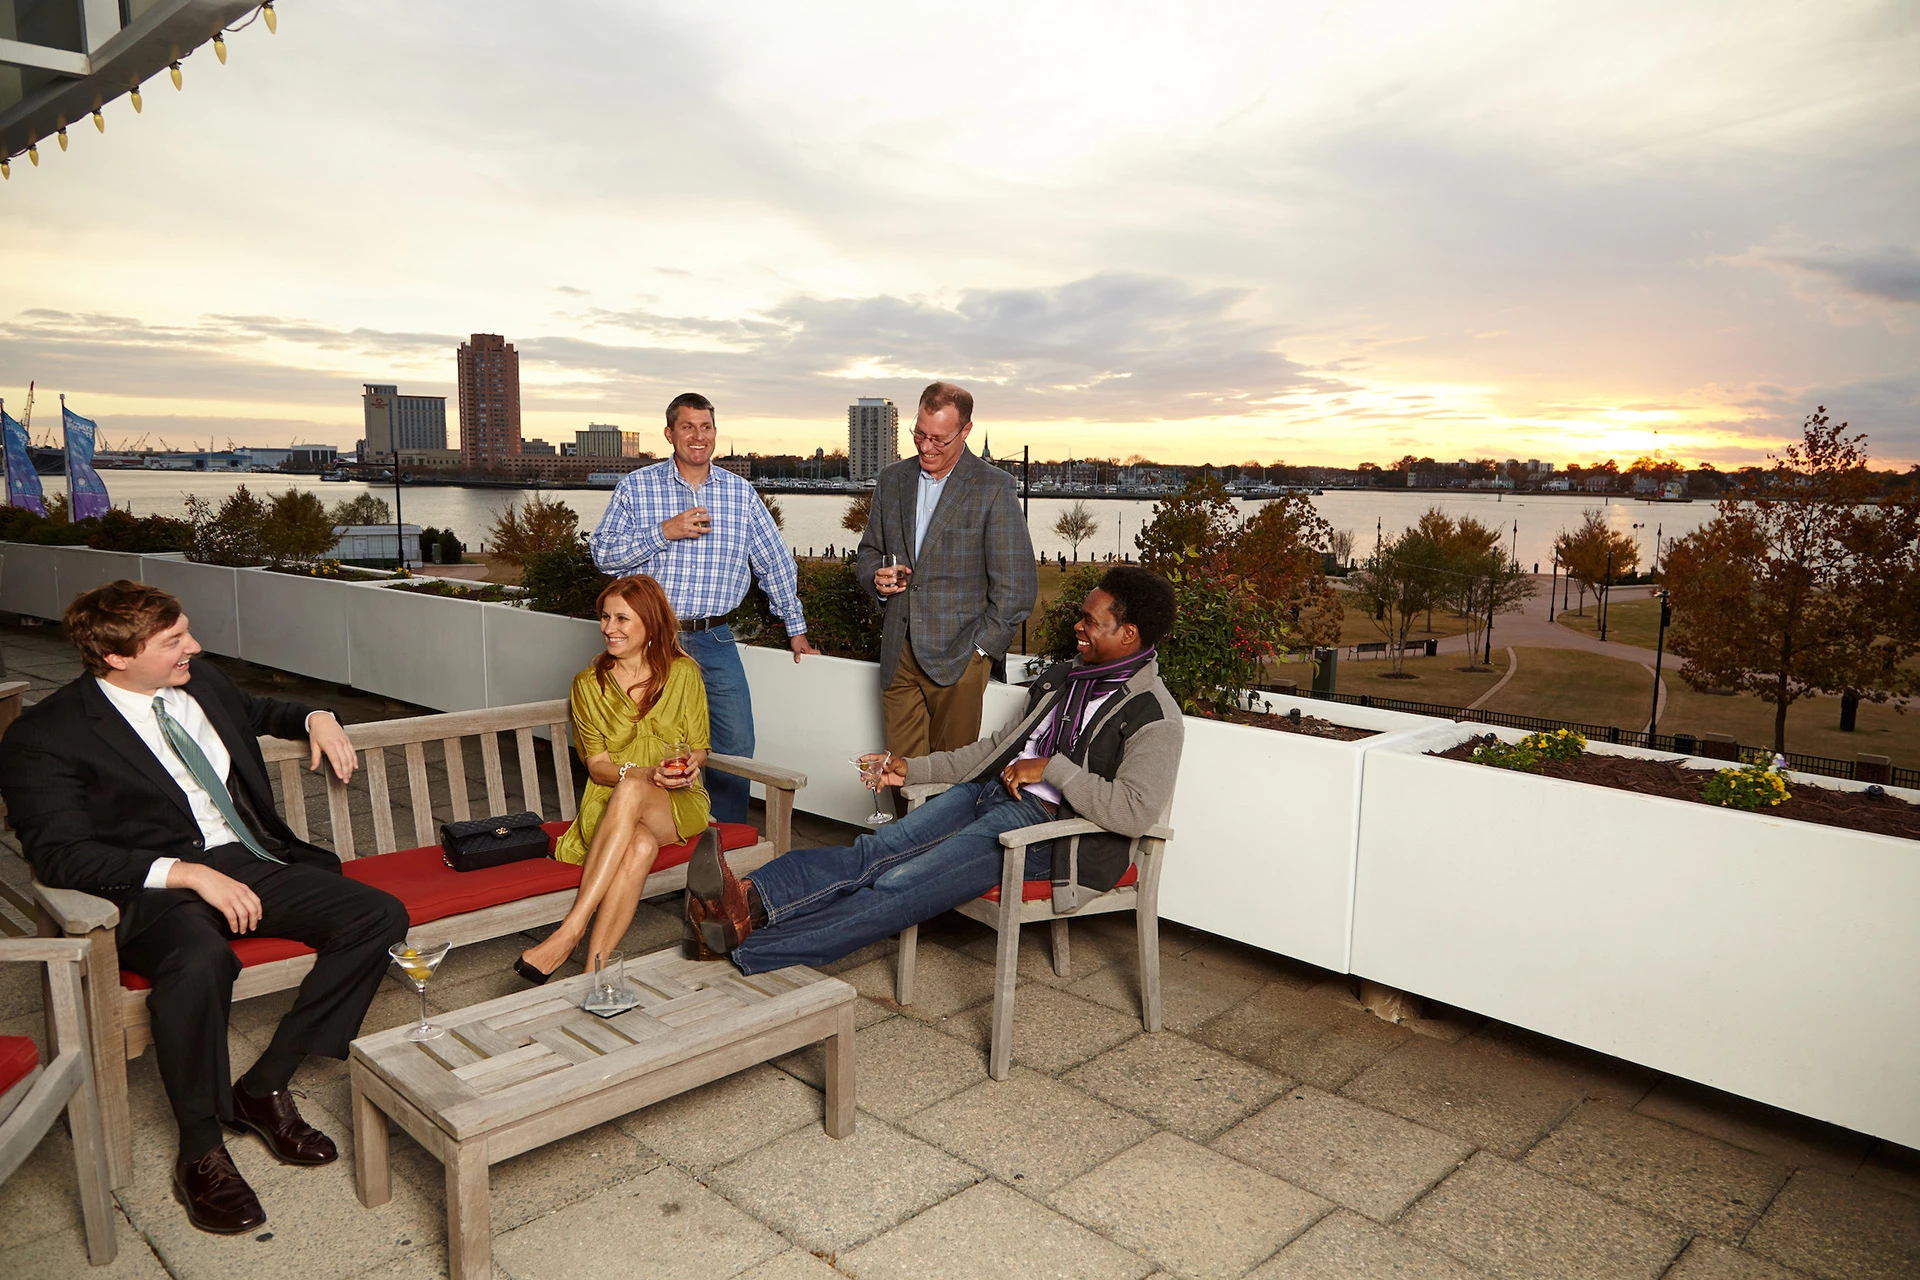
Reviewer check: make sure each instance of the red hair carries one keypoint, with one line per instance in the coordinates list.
(649, 604)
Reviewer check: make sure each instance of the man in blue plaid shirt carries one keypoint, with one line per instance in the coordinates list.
(702, 533)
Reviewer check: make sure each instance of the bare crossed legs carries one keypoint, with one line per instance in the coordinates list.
(638, 820)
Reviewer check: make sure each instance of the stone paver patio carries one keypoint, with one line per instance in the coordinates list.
(1274, 1130)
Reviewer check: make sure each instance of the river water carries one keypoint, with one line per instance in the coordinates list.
(813, 520)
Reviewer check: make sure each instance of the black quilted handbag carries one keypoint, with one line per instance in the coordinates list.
(491, 842)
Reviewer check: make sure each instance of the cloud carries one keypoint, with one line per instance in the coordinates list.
(1114, 346)
(1891, 274)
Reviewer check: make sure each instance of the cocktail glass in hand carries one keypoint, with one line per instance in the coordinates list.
(609, 994)
(678, 760)
(418, 960)
(901, 570)
(871, 769)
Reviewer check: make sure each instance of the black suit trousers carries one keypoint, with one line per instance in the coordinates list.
(184, 954)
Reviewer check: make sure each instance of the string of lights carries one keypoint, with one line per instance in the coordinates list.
(32, 151)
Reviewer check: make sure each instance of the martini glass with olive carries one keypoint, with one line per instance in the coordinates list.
(418, 960)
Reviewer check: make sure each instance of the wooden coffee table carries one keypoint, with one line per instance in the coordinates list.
(515, 1073)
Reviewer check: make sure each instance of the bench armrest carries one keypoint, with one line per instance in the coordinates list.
(8, 688)
(77, 914)
(69, 950)
(760, 771)
(1060, 830)
(917, 792)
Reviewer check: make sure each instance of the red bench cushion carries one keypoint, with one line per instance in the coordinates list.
(1040, 890)
(432, 890)
(18, 1056)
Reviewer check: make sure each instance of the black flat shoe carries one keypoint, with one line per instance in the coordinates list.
(531, 974)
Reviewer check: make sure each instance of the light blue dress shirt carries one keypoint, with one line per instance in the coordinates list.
(925, 505)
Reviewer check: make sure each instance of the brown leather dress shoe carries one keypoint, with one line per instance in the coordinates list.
(216, 1197)
(716, 900)
(277, 1121)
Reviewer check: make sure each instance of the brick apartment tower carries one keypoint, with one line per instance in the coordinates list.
(489, 402)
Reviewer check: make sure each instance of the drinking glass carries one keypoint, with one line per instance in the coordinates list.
(871, 768)
(679, 759)
(901, 570)
(608, 993)
(418, 961)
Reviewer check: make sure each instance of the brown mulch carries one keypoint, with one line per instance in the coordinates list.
(1311, 726)
(1855, 810)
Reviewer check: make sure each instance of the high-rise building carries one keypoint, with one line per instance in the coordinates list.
(489, 401)
(415, 422)
(873, 437)
(604, 440)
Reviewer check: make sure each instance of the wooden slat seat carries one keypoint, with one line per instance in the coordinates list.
(460, 908)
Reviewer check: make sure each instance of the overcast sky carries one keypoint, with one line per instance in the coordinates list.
(1318, 232)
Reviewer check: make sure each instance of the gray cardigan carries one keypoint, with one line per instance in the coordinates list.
(1134, 799)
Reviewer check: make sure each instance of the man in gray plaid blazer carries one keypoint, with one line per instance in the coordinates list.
(964, 582)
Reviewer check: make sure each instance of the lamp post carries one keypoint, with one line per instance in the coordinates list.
(1605, 594)
(1659, 650)
(1553, 585)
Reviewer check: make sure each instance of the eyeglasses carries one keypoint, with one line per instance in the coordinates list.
(938, 442)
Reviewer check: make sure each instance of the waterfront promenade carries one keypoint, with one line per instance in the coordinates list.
(1274, 1129)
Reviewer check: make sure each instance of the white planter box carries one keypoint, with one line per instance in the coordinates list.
(209, 595)
(28, 585)
(531, 657)
(1264, 829)
(818, 714)
(422, 649)
(1770, 958)
(296, 624)
(82, 569)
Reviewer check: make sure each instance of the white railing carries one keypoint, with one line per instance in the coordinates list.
(1767, 957)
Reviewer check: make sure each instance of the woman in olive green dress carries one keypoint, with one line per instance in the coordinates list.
(640, 697)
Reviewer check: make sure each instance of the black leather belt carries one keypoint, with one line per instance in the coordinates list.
(702, 624)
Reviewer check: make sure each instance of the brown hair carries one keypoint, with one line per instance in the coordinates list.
(118, 618)
(686, 400)
(649, 604)
(945, 395)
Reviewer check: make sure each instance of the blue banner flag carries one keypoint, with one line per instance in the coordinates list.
(86, 490)
(23, 482)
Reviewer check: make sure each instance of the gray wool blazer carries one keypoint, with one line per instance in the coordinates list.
(974, 581)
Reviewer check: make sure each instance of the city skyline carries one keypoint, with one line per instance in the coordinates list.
(1278, 232)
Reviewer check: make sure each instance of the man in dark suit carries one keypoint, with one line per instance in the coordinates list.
(142, 782)
(964, 582)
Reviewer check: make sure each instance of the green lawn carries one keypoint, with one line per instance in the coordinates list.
(1437, 680)
(1635, 622)
(1569, 684)
(1357, 627)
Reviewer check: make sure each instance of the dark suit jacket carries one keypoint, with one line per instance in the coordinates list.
(94, 808)
(974, 580)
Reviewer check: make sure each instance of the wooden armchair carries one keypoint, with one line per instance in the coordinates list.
(32, 1096)
(1016, 901)
(444, 905)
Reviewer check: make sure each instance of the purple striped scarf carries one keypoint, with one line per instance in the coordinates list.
(1083, 686)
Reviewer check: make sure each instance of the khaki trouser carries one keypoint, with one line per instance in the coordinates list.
(923, 716)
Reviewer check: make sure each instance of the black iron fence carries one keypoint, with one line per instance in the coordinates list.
(1713, 746)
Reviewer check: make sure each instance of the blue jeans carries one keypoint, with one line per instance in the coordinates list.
(824, 903)
(729, 715)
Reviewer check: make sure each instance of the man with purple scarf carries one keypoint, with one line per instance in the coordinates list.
(1100, 739)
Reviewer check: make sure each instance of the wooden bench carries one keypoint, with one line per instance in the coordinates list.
(510, 899)
(527, 1069)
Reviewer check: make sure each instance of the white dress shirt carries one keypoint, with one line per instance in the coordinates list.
(137, 709)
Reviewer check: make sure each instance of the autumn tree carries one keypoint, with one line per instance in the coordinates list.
(229, 534)
(1396, 585)
(1199, 520)
(1798, 586)
(1278, 553)
(1340, 542)
(1076, 524)
(296, 530)
(859, 511)
(365, 509)
(1595, 554)
(539, 524)
(772, 504)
